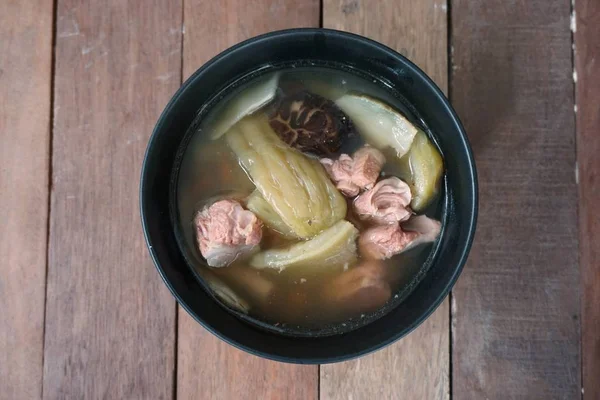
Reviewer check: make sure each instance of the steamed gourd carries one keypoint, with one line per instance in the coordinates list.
(224, 292)
(380, 125)
(333, 247)
(295, 186)
(263, 210)
(426, 169)
(248, 101)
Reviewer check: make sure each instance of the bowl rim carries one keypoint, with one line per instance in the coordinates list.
(472, 213)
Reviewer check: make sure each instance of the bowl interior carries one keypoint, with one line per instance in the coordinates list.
(323, 48)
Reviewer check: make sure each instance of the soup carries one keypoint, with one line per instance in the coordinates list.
(310, 198)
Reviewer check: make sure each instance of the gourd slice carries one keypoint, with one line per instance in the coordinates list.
(263, 210)
(333, 247)
(425, 168)
(224, 292)
(380, 125)
(295, 186)
(249, 100)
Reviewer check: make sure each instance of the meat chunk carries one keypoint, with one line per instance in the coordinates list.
(368, 162)
(427, 228)
(225, 232)
(385, 203)
(384, 241)
(356, 173)
(361, 289)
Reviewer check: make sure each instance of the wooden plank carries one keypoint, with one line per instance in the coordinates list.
(110, 319)
(586, 32)
(211, 27)
(25, 81)
(419, 363)
(516, 309)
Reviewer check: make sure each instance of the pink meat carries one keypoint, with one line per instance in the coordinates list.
(356, 173)
(384, 241)
(427, 228)
(385, 203)
(362, 289)
(225, 232)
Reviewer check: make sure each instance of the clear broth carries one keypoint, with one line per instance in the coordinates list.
(209, 170)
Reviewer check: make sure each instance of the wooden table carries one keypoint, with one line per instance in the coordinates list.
(83, 313)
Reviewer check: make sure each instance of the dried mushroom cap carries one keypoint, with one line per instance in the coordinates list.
(310, 123)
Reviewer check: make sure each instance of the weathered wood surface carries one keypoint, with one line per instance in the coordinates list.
(207, 368)
(586, 29)
(417, 366)
(25, 84)
(110, 326)
(516, 307)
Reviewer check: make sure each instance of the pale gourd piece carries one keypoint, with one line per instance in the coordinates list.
(263, 210)
(248, 282)
(323, 89)
(332, 88)
(251, 99)
(224, 292)
(333, 247)
(380, 125)
(296, 186)
(426, 169)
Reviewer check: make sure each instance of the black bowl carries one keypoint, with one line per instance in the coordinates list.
(331, 49)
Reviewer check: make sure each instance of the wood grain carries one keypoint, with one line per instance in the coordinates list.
(418, 365)
(587, 63)
(25, 76)
(207, 368)
(516, 308)
(110, 320)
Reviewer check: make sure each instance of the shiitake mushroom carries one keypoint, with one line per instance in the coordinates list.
(310, 123)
